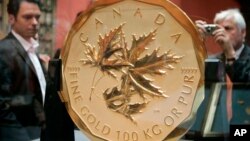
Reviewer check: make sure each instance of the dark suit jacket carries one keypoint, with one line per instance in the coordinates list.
(239, 71)
(20, 93)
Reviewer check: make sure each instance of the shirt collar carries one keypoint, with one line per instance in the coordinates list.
(26, 45)
(238, 51)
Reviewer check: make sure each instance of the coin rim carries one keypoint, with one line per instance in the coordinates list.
(177, 13)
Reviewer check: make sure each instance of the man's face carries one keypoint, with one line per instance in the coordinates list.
(26, 22)
(235, 34)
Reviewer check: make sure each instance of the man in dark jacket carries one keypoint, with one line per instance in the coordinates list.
(229, 32)
(22, 77)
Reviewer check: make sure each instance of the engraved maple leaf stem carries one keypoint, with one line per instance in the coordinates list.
(94, 84)
(98, 80)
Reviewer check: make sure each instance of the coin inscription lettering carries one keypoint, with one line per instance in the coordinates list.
(176, 37)
(130, 70)
(160, 19)
(83, 38)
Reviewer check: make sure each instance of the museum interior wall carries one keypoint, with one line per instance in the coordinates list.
(58, 16)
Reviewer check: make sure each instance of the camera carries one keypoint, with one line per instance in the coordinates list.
(210, 28)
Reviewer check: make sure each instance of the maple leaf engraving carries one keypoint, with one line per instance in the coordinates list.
(114, 56)
(102, 58)
(108, 46)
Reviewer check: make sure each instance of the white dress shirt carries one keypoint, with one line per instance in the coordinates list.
(238, 52)
(31, 47)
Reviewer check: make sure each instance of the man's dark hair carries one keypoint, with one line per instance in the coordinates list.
(14, 5)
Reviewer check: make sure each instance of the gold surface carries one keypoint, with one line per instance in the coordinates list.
(131, 70)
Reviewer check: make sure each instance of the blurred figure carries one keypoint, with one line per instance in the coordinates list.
(22, 77)
(229, 32)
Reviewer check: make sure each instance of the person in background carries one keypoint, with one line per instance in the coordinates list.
(230, 33)
(22, 77)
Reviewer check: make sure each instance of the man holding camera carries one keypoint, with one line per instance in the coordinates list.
(229, 31)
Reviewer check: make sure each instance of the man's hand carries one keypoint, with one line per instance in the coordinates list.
(201, 27)
(222, 38)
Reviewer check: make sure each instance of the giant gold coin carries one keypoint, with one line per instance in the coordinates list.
(131, 69)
